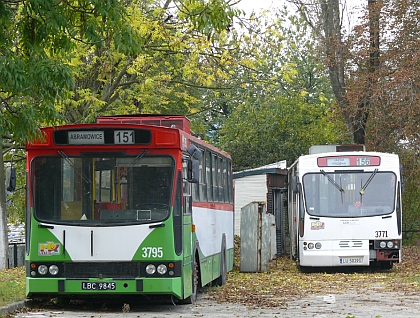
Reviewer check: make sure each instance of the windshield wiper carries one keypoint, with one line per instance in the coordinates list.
(363, 188)
(339, 187)
(62, 154)
(139, 156)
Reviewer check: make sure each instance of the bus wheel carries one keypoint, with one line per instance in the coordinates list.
(221, 280)
(386, 265)
(195, 274)
(62, 301)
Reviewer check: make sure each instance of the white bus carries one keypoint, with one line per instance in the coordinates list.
(345, 208)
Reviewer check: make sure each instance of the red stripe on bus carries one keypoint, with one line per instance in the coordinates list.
(214, 206)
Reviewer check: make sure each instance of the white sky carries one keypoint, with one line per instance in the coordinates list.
(249, 5)
(353, 8)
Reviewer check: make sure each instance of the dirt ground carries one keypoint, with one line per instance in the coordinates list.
(376, 304)
(283, 292)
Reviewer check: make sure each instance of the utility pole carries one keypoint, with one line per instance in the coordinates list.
(4, 246)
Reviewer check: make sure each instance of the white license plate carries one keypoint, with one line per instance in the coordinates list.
(351, 260)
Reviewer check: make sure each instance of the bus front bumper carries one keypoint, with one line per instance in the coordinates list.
(334, 253)
(40, 287)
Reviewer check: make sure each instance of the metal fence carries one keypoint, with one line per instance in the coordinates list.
(16, 255)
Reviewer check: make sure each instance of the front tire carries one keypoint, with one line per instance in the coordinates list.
(192, 299)
(386, 265)
(221, 280)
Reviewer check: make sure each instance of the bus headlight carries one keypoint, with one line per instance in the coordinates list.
(388, 244)
(150, 269)
(53, 270)
(310, 246)
(161, 269)
(318, 245)
(42, 269)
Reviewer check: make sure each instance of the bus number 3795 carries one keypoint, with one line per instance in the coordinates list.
(154, 252)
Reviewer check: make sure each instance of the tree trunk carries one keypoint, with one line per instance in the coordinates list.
(363, 108)
(328, 29)
(4, 245)
(330, 20)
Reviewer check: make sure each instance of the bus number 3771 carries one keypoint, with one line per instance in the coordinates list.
(345, 208)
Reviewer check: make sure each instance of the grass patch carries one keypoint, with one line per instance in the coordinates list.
(12, 285)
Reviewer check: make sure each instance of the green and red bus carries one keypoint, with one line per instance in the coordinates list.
(129, 205)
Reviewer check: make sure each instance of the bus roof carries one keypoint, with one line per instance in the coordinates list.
(171, 121)
(335, 148)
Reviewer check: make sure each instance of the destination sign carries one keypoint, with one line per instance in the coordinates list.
(103, 136)
(86, 137)
(349, 161)
(338, 162)
(123, 137)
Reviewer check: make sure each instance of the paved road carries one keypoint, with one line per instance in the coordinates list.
(369, 304)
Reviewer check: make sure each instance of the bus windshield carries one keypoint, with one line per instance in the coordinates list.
(349, 194)
(102, 189)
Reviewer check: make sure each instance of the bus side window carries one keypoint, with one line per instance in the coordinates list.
(187, 189)
(225, 183)
(230, 183)
(202, 181)
(214, 178)
(220, 179)
(209, 178)
(195, 191)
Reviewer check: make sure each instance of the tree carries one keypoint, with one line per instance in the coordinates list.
(31, 81)
(326, 19)
(181, 52)
(37, 42)
(380, 95)
(395, 112)
(283, 104)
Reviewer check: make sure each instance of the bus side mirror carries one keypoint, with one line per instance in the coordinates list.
(296, 186)
(10, 179)
(402, 178)
(194, 151)
(193, 171)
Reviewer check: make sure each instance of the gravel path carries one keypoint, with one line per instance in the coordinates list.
(355, 305)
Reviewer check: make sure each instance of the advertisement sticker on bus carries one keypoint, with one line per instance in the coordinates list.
(48, 248)
(318, 225)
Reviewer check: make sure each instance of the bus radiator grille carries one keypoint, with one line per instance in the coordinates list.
(349, 244)
(102, 269)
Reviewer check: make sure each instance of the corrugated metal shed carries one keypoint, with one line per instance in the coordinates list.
(248, 189)
(258, 238)
(262, 184)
